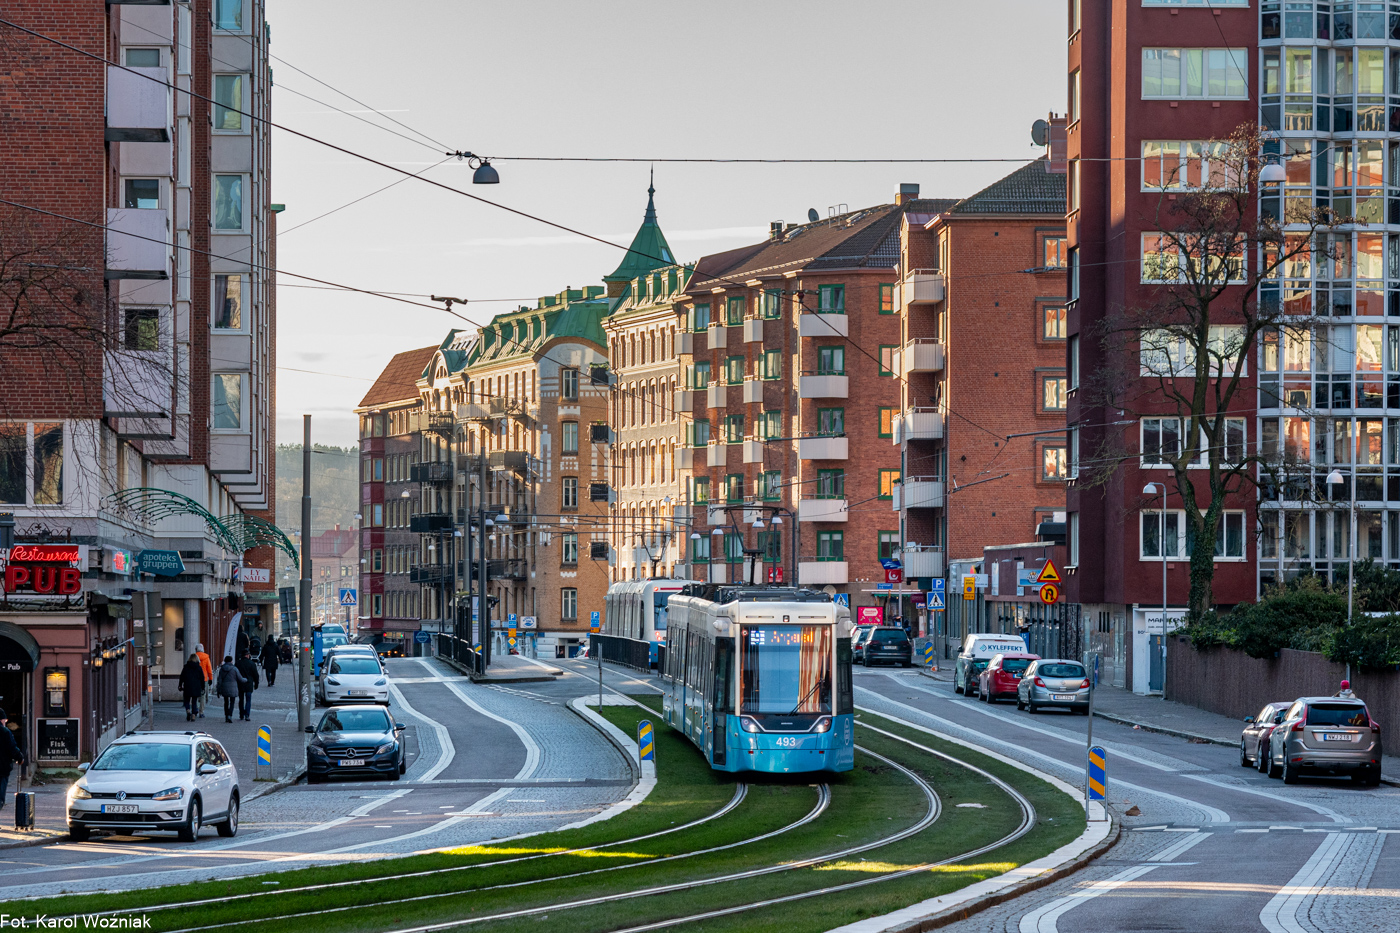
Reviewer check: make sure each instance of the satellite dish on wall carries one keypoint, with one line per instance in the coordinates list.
(1040, 132)
(812, 215)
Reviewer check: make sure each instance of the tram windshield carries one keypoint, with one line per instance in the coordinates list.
(787, 669)
(659, 601)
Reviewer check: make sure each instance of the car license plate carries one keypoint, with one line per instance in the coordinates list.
(119, 808)
(352, 762)
(359, 693)
(1337, 737)
(1062, 696)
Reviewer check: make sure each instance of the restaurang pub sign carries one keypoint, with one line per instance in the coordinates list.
(43, 569)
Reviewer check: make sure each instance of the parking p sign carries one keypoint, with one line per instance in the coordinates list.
(595, 621)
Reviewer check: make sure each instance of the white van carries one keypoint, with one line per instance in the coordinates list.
(977, 651)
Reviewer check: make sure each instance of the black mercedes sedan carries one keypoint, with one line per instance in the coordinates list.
(355, 741)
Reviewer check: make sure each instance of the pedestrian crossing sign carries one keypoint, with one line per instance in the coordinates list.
(347, 597)
(935, 600)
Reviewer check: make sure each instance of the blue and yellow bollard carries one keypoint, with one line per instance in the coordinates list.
(646, 744)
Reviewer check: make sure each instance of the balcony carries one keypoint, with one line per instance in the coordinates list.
(429, 573)
(513, 570)
(138, 105)
(821, 573)
(139, 384)
(753, 451)
(137, 243)
(922, 356)
(509, 461)
(918, 492)
(685, 458)
(921, 287)
(823, 325)
(718, 395)
(822, 510)
(442, 423)
(469, 463)
(824, 386)
(428, 523)
(435, 471)
(922, 562)
(717, 455)
(685, 343)
(753, 330)
(719, 336)
(601, 492)
(918, 424)
(753, 390)
(473, 411)
(685, 400)
(822, 448)
(600, 433)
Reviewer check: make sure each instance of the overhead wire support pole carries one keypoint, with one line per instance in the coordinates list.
(304, 621)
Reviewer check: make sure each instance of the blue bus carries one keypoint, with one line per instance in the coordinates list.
(759, 678)
(635, 620)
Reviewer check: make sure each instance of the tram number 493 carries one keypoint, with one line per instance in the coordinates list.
(787, 741)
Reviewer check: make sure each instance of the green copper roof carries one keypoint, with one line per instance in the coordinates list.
(574, 312)
(649, 249)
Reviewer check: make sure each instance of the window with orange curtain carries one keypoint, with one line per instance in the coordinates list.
(786, 669)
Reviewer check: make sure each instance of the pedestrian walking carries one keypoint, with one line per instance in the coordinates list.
(229, 683)
(271, 660)
(10, 752)
(249, 669)
(192, 684)
(208, 667)
(1345, 691)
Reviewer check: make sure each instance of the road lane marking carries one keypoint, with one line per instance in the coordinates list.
(1280, 915)
(532, 751)
(446, 751)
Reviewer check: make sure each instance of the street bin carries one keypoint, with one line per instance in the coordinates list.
(24, 809)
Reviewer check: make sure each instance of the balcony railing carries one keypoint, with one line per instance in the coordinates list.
(685, 343)
(433, 471)
(429, 573)
(430, 523)
(513, 461)
(822, 448)
(443, 423)
(824, 386)
(918, 424)
(716, 455)
(719, 335)
(138, 108)
(823, 325)
(921, 286)
(922, 356)
(753, 450)
(136, 244)
(822, 510)
(753, 390)
(922, 562)
(918, 492)
(685, 399)
(753, 330)
(717, 395)
(821, 573)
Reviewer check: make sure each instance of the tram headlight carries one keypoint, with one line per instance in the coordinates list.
(823, 725)
(748, 724)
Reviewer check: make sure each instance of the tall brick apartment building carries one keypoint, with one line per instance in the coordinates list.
(137, 411)
(981, 422)
(1150, 83)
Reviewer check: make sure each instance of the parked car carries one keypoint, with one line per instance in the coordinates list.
(1002, 676)
(350, 679)
(1254, 739)
(1326, 736)
(888, 643)
(353, 740)
(977, 651)
(144, 782)
(858, 640)
(1054, 682)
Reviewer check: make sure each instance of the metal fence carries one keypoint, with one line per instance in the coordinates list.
(626, 651)
(461, 651)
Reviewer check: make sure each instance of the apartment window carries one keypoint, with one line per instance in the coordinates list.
(143, 193)
(568, 385)
(700, 490)
(831, 421)
(1053, 318)
(888, 545)
(889, 359)
(228, 202)
(734, 488)
(1054, 252)
(378, 469)
(831, 545)
(888, 480)
(1054, 463)
(770, 425)
(831, 299)
(1054, 391)
(831, 361)
(228, 14)
(568, 603)
(733, 429)
(569, 438)
(377, 560)
(1176, 165)
(831, 484)
(887, 416)
(700, 376)
(1207, 74)
(1073, 354)
(143, 58)
(887, 298)
(700, 432)
(40, 446)
(700, 549)
(770, 485)
(1169, 539)
(772, 364)
(734, 370)
(1072, 186)
(734, 310)
(700, 318)
(1072, 539)
(1165, 354)
(228, 102)
(377, 515)
(569, 496)
(1163, 442)
(568, 548)
(733, 548)
(1073, 108)
(771, 544)
(1073, 277)
(772, 304)
(228, 302)
(227, 402)
(142, 331)
(377, 605)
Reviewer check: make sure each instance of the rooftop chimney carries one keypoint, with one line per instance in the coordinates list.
(906, 193)
(1057, 145)
(775, 231)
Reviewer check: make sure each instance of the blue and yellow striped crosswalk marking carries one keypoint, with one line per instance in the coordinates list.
(646, 744)
(1098, 773)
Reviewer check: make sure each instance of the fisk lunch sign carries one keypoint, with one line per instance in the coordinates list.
(43, 569)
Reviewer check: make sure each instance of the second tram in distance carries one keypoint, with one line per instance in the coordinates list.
(759, 678)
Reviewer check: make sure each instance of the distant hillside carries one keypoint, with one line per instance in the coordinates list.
(335, 489)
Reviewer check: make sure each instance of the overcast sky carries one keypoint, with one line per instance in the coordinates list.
(718, 79)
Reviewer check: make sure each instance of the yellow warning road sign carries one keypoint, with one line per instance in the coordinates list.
(1048, 573)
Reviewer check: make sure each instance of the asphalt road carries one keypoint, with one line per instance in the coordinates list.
(1216, 847)
(484, 764)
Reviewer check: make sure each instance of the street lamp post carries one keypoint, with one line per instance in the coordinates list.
(1148, 490)
(1334, 478)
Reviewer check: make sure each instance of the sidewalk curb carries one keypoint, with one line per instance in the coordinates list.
(645, 771)
(1164, 730)
(36, 841)
(288, 781)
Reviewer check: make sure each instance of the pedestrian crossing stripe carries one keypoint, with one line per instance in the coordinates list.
(646, 745)
(1097, 773)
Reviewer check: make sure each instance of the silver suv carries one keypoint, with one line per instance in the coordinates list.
(1326, 735)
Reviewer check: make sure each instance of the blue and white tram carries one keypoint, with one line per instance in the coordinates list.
(635, 617)
(759, 678)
